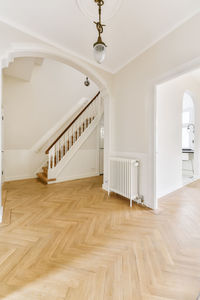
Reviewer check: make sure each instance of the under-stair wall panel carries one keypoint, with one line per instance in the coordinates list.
(85, 163)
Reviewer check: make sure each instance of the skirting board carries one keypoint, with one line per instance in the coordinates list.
(1, 213)
(14, 178)
(169, 190)
(75, 177)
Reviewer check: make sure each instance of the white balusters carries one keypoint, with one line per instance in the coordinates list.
(50, 159)
(58, 151)
(64, 145)
(79, 127)
(76, 130)
(93, 115)
(63, 148)
(55, 156)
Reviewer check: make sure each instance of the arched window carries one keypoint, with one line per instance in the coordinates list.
(188, 122)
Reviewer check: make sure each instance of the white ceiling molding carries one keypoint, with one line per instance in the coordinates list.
(90, 9)
(52, 43)
(153, 43)
(37, 50)
(21, 68)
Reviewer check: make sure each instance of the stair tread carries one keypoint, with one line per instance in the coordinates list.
(52, 179)
(43, 177)
(45, 170)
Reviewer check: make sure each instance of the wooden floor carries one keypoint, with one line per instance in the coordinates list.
(69, 241)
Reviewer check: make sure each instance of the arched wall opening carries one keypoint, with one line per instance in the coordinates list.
(81, 67)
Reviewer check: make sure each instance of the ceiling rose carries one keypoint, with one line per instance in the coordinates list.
(89, 8)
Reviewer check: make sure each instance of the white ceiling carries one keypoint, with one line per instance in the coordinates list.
(136, 25)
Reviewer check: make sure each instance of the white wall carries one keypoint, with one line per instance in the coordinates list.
(33, 108)
(133, 89)
(169, 132)
(22, 164)
(169, 139)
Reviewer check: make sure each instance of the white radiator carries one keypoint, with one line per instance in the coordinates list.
(124, 178)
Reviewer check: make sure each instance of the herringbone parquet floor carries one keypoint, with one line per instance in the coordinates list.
(69, 241)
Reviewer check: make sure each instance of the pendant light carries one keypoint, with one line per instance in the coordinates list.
(86, 82)
(99, 46)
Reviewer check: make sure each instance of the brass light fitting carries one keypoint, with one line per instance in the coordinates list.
(99, 46)
(86, 82)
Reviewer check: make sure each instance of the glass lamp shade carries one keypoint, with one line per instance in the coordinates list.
(99, 52)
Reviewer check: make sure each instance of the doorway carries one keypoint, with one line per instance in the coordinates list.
(188, 138)
(177, 133)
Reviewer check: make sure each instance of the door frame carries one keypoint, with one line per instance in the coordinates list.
(174, 73)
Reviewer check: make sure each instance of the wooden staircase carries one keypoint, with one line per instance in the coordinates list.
(58, 150)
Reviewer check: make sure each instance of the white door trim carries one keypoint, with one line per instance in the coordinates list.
(180, 70)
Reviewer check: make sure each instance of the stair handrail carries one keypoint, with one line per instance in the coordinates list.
(70, 125)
